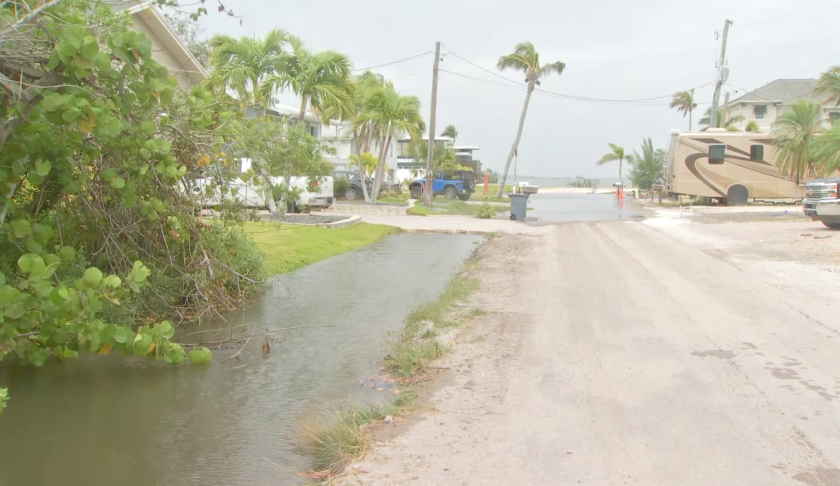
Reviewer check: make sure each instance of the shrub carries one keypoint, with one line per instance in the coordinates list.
(340, 186)
(485, 211)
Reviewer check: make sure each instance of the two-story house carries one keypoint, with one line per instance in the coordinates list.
(768, 102)
(167, 48)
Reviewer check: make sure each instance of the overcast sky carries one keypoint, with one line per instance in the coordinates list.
(614, 49)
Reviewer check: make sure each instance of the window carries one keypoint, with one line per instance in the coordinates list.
(759, 111)
(717, 151)
(757, 153)
(312, 130)
(403, 148)
(391, 151)
(834, 117)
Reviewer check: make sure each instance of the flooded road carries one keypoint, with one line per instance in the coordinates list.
(113, 420)
(557, 208)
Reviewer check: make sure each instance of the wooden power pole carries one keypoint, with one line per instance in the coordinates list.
(430, 162)
(724, 110)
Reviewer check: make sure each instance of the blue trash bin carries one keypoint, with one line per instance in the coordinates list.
(518, 206)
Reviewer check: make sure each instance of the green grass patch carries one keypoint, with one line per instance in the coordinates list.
(414, 348)
(451, 208)
(287, 247)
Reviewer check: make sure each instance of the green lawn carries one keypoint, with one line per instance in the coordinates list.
(288, 247)
(445, 207)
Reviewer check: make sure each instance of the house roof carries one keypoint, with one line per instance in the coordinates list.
(144, 11)
(780, 91)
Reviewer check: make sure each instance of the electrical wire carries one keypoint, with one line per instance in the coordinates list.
(550, 94)
(567, 96)
(394, 62)
(407, 75)
(782, 17)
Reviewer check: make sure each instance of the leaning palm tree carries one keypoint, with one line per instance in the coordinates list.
(616, 154)
(827, 151)
(320, 79)
(795, 132)
(730, 122)
(387, 113)
(450, 132)
(242, 65)
(683, 101)
(526, 59)
(829, 84)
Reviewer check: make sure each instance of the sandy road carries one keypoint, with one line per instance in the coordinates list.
(615, 353)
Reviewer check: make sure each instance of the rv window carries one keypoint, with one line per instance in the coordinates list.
(759, 111)
(757, 153)
(717, 151)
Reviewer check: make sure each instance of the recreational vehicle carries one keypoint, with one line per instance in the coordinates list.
(731, 167)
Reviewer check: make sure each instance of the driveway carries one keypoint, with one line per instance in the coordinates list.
(623, 353)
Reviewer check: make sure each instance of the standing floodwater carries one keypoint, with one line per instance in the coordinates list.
(112, 420)
(548, 207)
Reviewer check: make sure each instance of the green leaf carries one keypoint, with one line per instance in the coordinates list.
(69, 353)
(15, 310)
(142, 345)
(166, 329)
(145, 153)
(92, 277)
(42, 167)
(121, 334)
(37, 356)
(67, 253)
(113, 281)
(148, 127)
(90, 48)
(118, 183)
(108, 174)
(52, 259)
(202, 355)
(9, 294)
(29, 261)
(139, 272)
(66, 50)
(103, 61)
(21, 228)
(71, 114)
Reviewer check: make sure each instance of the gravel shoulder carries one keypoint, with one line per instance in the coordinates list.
(651, 353)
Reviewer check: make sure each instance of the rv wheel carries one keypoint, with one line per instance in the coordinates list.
(737, 195)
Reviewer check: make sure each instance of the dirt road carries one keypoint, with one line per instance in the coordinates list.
(625, 353)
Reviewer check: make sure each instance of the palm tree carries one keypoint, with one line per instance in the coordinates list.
(321, 79)
(827, 151)
(387, 112)
(450, 132)
(829, 84)
(730, 122)
(242, 65)
(526, 59)
(795, 132)
(683, 101)
(616, 154)
(752, 126)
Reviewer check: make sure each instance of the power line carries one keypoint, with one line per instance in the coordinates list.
(782, 17)
(395, 62)
(567, 96)
(551, 94)
(407, 75)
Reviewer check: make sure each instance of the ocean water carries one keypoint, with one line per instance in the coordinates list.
(559, 181)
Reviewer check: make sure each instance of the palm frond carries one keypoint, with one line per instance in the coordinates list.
(553, 68)
(829, 84)
(515, 62)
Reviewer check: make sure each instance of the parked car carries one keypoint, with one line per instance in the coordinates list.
(822, 201)
(457, 184)
(354, 190)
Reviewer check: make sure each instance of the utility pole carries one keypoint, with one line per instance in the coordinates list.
(430, 162)
(724, 111)
(721, 77)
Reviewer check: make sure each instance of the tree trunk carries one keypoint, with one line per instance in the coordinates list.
(380, 160)
(620, 171)
(380, 165)
(304, 99)
(689, 119)
(8, 200)
(515, 146)
(362, 175)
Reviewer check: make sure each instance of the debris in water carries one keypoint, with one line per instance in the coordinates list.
(388, 419)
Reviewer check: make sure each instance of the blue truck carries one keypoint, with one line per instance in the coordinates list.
(456, 184)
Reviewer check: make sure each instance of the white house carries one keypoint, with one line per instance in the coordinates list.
(766, 103)
(167, 48)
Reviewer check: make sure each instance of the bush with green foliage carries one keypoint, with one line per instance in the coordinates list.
(98, 222)
(648, 168)
(485, 211)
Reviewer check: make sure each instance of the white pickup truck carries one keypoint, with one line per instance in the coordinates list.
(253, 196)
(822, 201)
